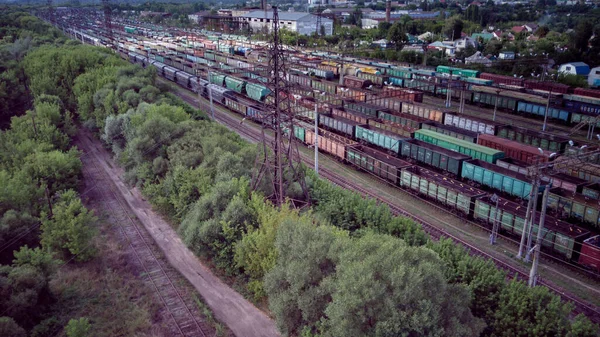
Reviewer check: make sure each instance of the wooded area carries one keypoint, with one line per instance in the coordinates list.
(347, 267)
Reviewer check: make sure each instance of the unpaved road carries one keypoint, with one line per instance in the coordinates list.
(228, 306)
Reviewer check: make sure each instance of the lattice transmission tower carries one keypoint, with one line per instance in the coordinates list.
(279, 162)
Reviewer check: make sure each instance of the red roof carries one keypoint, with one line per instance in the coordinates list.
(518, 29)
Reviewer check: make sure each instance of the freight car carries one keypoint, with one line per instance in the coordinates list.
(378, 138)
(376, 162)
(423, 111)
(398, 129)
(434, 156)
(501, 79)
(496, 177)
(471, 123)
(525, 153)
(543, 140)
(449, 192)
(559, 237)
(341, 125)
(356, 82)
(574, 206)
(590, 253)
(407, 120)
(473, 150)
(403, 94)
(451, 131)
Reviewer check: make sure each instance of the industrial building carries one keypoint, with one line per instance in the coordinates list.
(300, 22)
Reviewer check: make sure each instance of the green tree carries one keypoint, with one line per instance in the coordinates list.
(582, 34)
(397, 36)
(385, 288)
(453, 27)
(70, 230)
(78, 327)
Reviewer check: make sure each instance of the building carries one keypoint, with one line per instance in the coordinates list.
(483, 36)
(478, 58)
(464, 42)
(594, 78)
(198, 17)
(506, 55)
(574, 68)
(447, 47)
(299, 22)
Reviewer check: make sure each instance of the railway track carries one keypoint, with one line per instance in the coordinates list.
(435, 232)
(158, 274)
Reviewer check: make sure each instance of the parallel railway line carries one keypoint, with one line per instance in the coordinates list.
(162, 278)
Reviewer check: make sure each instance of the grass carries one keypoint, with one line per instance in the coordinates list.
(220, 330)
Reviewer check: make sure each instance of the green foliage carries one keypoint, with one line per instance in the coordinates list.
(78, 327)
(69, 231)
(8, 327)
(572, 80)
(397, 35)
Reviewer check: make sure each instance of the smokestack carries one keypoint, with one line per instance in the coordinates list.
(388, 10)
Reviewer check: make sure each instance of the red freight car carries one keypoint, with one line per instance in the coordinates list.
(525, 153)
(356, 82)
(404, 94)
(501, 79)
(590, 253)
(557, 88)
(587, 92)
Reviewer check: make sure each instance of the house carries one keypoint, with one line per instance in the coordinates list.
(497, 34)
(483, 36)
(506, 55)
(383, 43)
(463, 43)
(518, 29)
(426, 36)
(574, 68)
(299, 22)
(594, 78)
(447, 47)
(531, 27)
(478, 58)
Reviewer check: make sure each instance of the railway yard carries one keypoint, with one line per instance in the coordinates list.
(461, 152)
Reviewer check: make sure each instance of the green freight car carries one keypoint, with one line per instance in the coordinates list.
(574, 206)
(399, 72)
(449, 192)
(557, 235)
(496, 177)
(504, 102)
(545, 141)
(363, 108)
(235, 84)
(403, 119)
(257, 92)
(378, 137)
(473, 150)
(451, 131)
(457, 71)
(432, 155)
(376, 162)
(218, 79)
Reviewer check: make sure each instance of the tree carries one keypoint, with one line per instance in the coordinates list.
(385, 288)
(70, 230)
(453, 28)
(78, 327)
(8, 327)
(397, 35)
(583, 32)
(307, 257)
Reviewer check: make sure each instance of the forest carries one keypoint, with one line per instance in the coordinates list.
(344, 267)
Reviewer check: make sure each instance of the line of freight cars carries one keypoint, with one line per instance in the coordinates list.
(564, 240)
(560, 238)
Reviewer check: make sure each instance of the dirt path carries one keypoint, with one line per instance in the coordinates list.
(228, 306)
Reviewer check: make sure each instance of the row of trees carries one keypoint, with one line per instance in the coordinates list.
(49, 274)
(345, 267)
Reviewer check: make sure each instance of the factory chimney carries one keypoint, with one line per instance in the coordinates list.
(388, 10)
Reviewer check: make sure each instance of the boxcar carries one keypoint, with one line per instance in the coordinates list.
(411, 121)
(352, 93)
(329, 142)
(504, 102)
(574, 206)
(351, 115)
(474, 150)
(363, 108)
(434, 156)
(388, 103)
(556, 88)
(525, 153)
(568, 183)
(423, 111)
(540, 110)
(398, 129)
(450, 130)
(587, 92)
(590, 253)
(404, 94)
(399, 72)
(546, 141)
(356, 82)
(377, 137)
(376, 162)
(558, 236)
(449, 192)
(375, 79)
(501, 79)
(338, 124)
(236, 105)
(497, 177)
(423, 85)
(578, 106)
(325, 86)
(471, 123)
(513, 165)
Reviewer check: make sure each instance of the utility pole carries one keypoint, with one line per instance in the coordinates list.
(448, 96)
(496, 105)
(538, 242)
(210, 96)
(316, 138)
(532, 222)
(532, 195)
(494, 234)
(546, 112)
